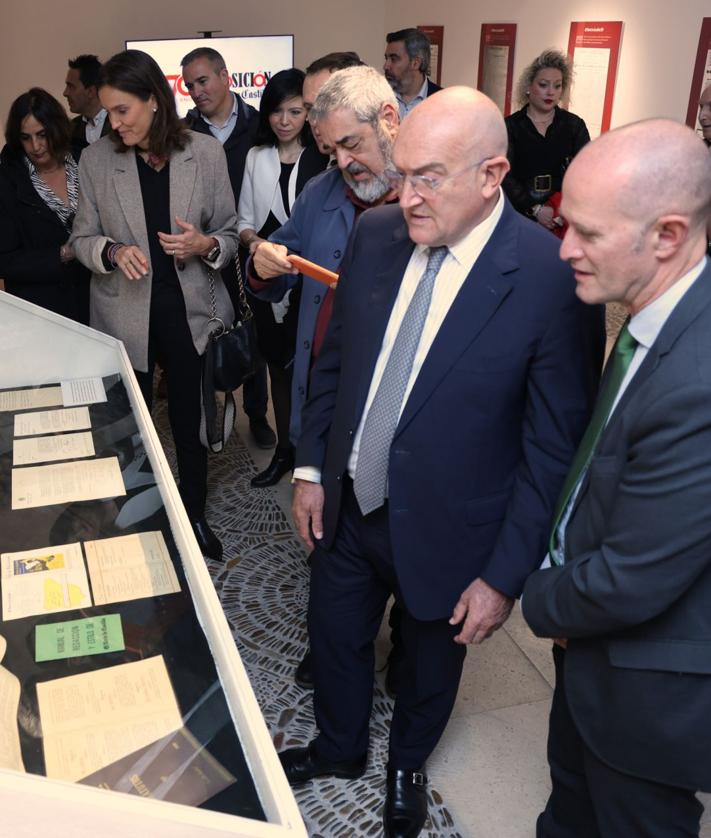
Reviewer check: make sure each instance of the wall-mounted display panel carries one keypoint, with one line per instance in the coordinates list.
(594, 48)
(496, 58)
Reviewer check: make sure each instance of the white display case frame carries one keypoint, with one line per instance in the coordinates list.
(38, 347)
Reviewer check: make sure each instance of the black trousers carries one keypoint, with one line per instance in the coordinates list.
(254, 394)
(590, 799)
(169, 340)
(350, 586)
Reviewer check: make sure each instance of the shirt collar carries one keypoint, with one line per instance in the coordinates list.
(233, 113)
(646, 325)
(467, 248)
(99, 117)
(420, 96)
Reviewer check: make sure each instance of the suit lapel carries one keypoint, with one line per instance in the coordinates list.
(695, 300)
(691, 305)
(183, 172)
(128, 191)
(483, 291)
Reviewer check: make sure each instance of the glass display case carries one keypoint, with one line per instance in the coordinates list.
(123, 702)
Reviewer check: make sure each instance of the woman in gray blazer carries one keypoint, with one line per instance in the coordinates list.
(156, 219)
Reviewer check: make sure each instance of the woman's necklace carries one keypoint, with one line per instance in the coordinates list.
(289, 154)
(545, 121)
(541, 125)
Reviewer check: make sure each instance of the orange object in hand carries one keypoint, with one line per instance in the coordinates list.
(314, 271)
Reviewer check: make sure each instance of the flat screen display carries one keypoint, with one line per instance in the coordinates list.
(251, 61)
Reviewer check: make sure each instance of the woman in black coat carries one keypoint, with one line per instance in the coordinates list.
(543, 139)
(39, 189)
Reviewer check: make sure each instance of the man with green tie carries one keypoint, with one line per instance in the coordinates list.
(628, 592)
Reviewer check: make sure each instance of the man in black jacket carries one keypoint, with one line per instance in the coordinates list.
(229, 119)
(80, 92)
(407, 67)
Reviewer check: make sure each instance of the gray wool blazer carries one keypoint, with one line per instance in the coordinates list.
(111, 208)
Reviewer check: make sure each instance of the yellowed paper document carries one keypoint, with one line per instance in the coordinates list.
(65, 482)
(94, 719)
(130, 567)
(30, 398)
(47, 449)
(10, 752)
(52, 421)
(43, 581)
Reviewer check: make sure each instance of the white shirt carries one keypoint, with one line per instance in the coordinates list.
(223, 132)
(456, 267)
(644, 327)
(94, 127)
(406, 107)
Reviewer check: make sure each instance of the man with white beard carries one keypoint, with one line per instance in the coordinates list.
(357, 117)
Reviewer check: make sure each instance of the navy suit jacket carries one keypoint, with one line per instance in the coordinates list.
(492, 422)
(634, 596)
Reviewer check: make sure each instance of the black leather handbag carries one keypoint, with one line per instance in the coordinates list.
(231, 356)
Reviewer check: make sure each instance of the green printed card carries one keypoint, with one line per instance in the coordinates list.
(75, 638)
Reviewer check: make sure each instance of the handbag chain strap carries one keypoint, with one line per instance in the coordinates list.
(245, 311)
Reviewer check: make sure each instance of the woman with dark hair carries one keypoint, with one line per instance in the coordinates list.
(39, 189)
(543, 139)
(156, 223)
(283, 160)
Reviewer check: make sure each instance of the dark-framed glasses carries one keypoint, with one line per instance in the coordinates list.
(423, 185)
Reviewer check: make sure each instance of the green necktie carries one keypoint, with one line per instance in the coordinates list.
(622, 355)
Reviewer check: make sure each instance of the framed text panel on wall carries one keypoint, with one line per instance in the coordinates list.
(496, 57)
(594, 48)
(701, 78)
(436, 38)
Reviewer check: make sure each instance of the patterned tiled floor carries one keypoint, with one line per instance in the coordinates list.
(263, 587)
(489, 777)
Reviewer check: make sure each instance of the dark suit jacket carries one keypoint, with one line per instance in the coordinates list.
(634, 596)
(432, 87)
(79, 142)
(30, 238)
(237, 144)
(492, 422)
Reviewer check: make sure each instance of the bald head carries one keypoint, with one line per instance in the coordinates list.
(453, 148)
(652, 168)
(461, 116)
(636, 201)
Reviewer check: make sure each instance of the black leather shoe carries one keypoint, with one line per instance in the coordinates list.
(405, 810)
(282, 463)
(303, 764)
(304, 676)
(208, 542)
(262, 434)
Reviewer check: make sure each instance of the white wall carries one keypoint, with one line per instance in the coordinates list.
(37, 36)
(654, 75)
(659, 42)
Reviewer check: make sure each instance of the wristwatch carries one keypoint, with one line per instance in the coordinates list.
(214, 253)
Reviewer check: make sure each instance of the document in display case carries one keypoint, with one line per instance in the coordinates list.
(123, 702)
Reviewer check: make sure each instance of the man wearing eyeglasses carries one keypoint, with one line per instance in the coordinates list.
(455, 381)
(362, 104)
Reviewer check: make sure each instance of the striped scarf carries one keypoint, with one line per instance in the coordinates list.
(65, 212)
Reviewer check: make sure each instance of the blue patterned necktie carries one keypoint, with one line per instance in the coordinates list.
(622, 355)
(371, 474)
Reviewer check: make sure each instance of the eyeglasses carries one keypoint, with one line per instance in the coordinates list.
(423, 185)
